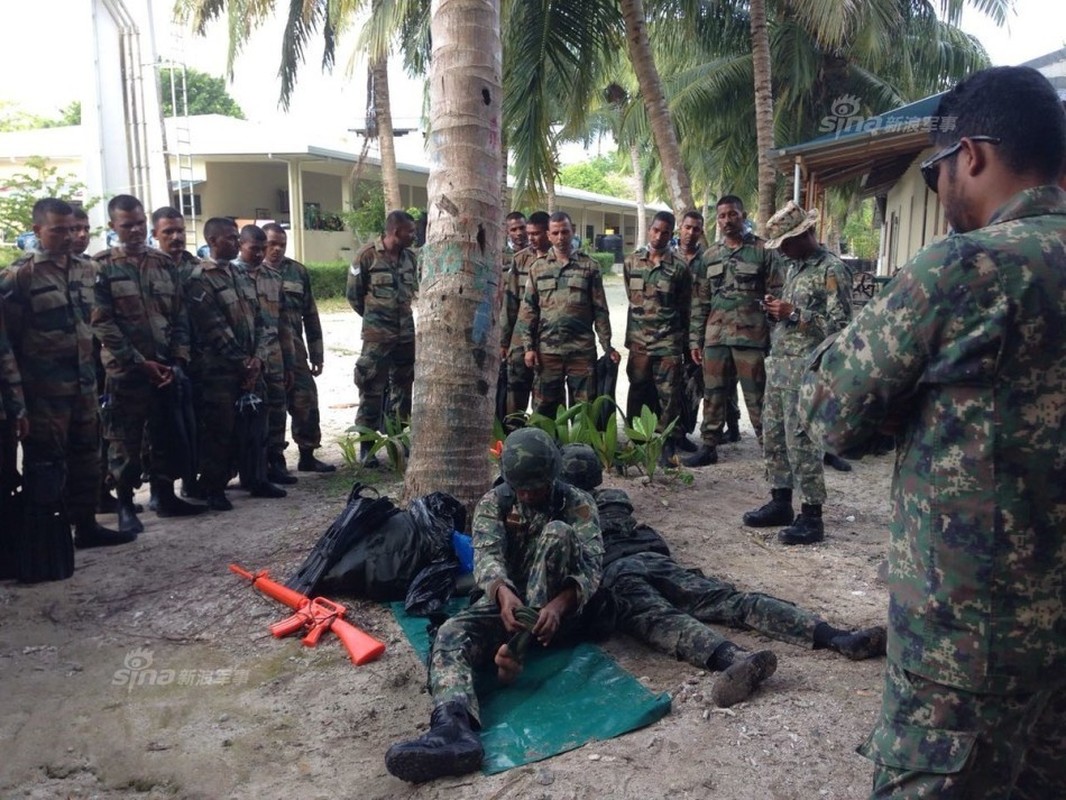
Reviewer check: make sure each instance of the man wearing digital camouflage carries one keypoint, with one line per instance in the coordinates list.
(537, 558)
(963, 357)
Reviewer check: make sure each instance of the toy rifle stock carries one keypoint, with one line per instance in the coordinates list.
(317, 615)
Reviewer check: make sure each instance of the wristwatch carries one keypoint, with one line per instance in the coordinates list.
(794, 317)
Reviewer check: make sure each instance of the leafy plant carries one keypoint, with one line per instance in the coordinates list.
(647, 442)
(396, 441)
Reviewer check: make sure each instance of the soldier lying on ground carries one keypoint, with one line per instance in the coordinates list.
(647, 594)
(538, 551)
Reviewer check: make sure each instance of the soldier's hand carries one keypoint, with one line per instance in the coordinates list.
(508, 601)
(22, 428)
(615, 355)
(697, 355)
(551, 616)
(508, 668)
(316, 370)
(503, 353)
(776, 309)
(158, 374)
(531, 359)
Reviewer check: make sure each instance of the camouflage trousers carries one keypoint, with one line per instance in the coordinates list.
(519, 382)
(134, 408)
(667, 606)
(655, 382)
(302, 402)
(277, 414)
(793, 461)
(216, 390)
(469, 640)
(557, 376)
(384, 364)
(937, 741)
(66, 430)
(723, 368)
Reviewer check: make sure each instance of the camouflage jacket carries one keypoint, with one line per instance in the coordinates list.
(12, 402)
(47, 308)
(659, 299)
(186, 264)
(301, 312)
(964, 352)
(381, 291)
(277, 335)
(562, 303)
(820, 288)
(505, 533)
(514, 284)
(224, 316)
(728, 284)
(139, 313)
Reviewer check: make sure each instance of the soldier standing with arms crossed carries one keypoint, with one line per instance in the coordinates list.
(963, 357)
(382, 285)
(562, 305)
(301, 314)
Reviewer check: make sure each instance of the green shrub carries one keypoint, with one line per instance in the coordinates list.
(328, 278)
(606, 261)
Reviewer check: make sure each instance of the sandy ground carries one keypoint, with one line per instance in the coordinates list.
(151, 674)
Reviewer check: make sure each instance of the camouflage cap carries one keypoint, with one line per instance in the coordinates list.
(614, 502)
(530, 459)
(581, 466)
(788, 222)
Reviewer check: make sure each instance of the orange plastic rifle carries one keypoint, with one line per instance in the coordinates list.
(316, 615)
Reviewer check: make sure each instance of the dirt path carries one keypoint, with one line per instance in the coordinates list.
(151, 674)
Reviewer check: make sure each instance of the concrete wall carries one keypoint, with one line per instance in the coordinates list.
(324, 190)
(238, 189)
(328, 246)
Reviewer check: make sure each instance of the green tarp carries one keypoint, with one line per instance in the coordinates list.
(565, 697)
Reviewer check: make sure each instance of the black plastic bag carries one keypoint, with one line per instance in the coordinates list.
(431, 588)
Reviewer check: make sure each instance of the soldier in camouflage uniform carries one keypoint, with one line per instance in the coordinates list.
(382, 285)
(13, 416)
(519, 376)
(537, 552)
(168, 228)
(301, 314)
(228, 328)
(139, 318)
(659, 289)
(815, 302)
(730, 334)
(963, 357)
(562, 304)
(647, 594)
(47, 299)
(277, 339)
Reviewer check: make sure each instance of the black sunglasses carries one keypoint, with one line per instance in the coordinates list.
(930, 168)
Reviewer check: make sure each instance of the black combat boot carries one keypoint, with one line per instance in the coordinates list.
(856, 645)
(278, 470)
(732, 428)
(365, 458)
(706, 455)
(668, 456)
(836, 462)
(777, 512)
(449, 747)
(127, 517)
(308, 462)
(217, 501)
(89, 533)
(685, 445)
(807, 529)
(268, 490)
(170, 505)
(743, 672)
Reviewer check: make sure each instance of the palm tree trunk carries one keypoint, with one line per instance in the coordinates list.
(458, 308)
(549, 192)
(764, 109)
(390, 180)
(638, 191)
(662, 125)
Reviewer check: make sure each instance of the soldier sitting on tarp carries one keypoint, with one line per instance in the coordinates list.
(647, 594)
(538, 550)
